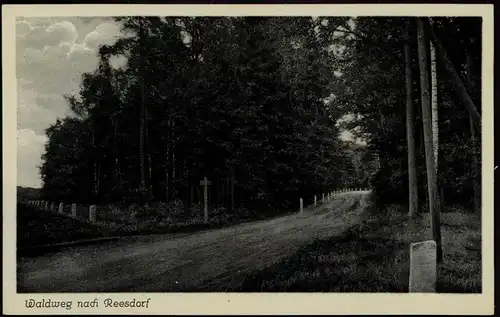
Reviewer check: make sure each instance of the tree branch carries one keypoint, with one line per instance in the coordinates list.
(455, 78)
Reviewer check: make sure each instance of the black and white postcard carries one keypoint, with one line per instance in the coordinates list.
(248, 159)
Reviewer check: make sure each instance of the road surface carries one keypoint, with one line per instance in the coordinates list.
(172, 263)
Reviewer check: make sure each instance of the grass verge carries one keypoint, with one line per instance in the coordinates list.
(374, 257)
(40, 231)
(36, 227)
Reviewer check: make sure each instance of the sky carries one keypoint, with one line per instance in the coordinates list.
(51, 55)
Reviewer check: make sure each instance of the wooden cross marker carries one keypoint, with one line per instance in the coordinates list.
(205, 183)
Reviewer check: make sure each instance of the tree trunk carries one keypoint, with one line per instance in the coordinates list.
(174, 187)
(432, 184)
(142, 125)
(410, 133)
(115, 153)
(434, 107)
(118, 171)
(223, 195)
(455, 78)
(167, 198)
(228, 193)
(476, 181)
(209, 193)
(232, 193)
(190, 195)
(149, 162)
(98, 184)
(168, 164)
(95, 162)
(217, 196)
(141, 148)
(219, 193)
(435, 116)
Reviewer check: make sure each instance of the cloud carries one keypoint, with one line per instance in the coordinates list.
(38, 36)
(23, 28)
(51, 56)
(51, 53)
(64, 31)
(37, 111)
(29, 148)
(27, 137)
(105, 33)
(39, 21)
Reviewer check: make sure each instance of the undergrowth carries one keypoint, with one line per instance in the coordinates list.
(374, 257)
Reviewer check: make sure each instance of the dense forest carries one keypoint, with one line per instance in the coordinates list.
(256, 105)
(374, 82)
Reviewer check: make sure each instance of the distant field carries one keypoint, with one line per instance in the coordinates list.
(373, 256)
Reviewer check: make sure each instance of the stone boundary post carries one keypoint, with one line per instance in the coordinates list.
(423, 268)
(92, 212)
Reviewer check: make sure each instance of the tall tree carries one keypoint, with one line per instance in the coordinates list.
(432, 183)
(434, 105)
(142, 128)
(410, 130)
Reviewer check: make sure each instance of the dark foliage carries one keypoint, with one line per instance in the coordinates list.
(238, 100)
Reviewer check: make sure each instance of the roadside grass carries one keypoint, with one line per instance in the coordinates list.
(160, 217)
(37, 227)
(374, 257)
(461, 269)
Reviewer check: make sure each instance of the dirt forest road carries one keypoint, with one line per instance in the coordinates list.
(206, 261)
